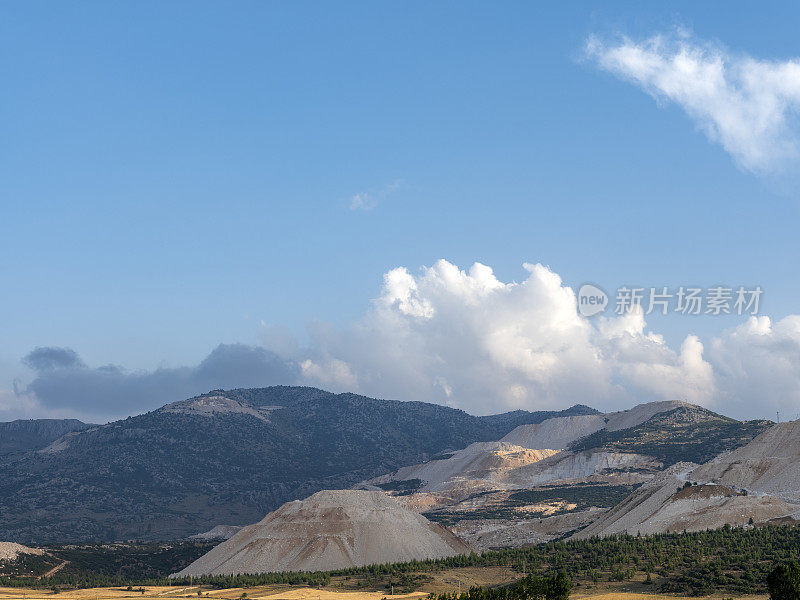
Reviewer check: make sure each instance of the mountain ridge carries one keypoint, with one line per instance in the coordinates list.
(23, 435)
(175, 472)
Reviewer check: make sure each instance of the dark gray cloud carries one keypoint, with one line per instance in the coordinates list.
(49, 358)
(63, 381)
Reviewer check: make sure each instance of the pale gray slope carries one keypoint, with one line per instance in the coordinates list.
(769, 464)
(629, 515)
(572, 467)
(558, 433)
(555, 434)
(330, 530)
(640, 413)
(759, 481)
(662, 509)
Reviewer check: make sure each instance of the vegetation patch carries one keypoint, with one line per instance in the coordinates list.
(93, 565)
(684, 434)
(530, 587)
(402, 488)
(558, 499)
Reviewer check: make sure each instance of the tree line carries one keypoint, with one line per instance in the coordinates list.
(732, 560)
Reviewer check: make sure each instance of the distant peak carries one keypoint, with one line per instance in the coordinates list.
(219, 404)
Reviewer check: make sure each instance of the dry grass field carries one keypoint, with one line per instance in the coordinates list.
(270, 593)
(154, 593)
(447, 581)
(341, 588)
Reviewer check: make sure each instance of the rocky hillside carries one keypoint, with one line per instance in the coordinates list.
(224, 458)
(34, 434)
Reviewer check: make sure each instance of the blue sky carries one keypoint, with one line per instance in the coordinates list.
(173, 174)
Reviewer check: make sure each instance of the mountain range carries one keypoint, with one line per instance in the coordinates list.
(222, 458)
(574, 476)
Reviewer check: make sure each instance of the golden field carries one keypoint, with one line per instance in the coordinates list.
(162, 592)
(302, 593)
(340, 588)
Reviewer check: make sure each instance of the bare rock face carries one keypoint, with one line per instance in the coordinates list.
(10, 550)
(330, 530)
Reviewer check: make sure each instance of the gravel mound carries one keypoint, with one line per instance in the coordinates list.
(628, 515)
(330, 530)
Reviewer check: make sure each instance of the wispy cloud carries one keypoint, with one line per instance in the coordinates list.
(369, 199)
(747, 105)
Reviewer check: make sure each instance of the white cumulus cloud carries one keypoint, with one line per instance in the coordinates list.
(747, 105)
(467, 339)
(758, 364)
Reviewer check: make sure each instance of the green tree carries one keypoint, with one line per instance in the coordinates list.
(784, 582)
(558, 587)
